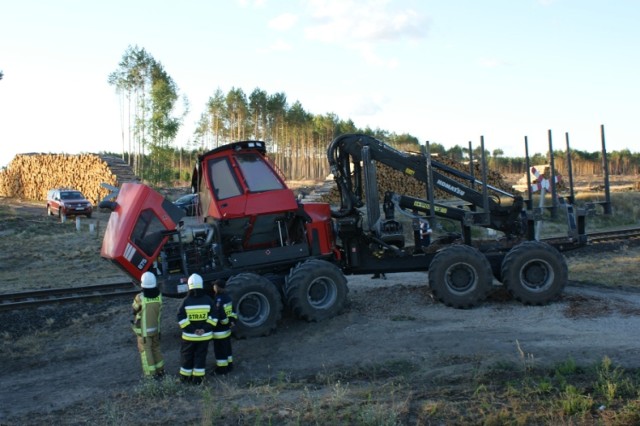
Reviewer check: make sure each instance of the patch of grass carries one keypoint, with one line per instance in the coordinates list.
(566, 367)
(625, 261)
(566, 393)
(612, 383)
(168, 386)
(574, 402)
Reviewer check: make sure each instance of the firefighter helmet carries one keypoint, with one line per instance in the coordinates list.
(148, 280)
(195, 281)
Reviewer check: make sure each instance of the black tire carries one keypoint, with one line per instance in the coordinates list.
(460, 276)
(534, 272)
(257, 303)
(316, 290)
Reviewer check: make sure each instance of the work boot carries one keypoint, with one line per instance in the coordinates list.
(220, 371)
(159, 374)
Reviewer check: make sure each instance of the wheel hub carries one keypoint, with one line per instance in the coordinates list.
(253, 309)
(322, 293)
(460, 278)
(536, 275)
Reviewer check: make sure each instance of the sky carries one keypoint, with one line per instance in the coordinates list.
(444, 71)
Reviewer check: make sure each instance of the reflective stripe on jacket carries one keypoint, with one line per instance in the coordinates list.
(147, 315)
(196, 318)
(226, 314)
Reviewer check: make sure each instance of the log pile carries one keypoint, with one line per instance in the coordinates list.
(30, 176)
(396, 181)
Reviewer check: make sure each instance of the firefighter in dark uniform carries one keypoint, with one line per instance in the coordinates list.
(222, 332)
(147, 307)
(197, 319)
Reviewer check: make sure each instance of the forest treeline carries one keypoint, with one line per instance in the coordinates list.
(296, 139)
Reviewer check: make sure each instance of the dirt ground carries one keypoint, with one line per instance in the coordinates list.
(59, 358)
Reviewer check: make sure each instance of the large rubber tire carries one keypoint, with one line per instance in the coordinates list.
(316, 290)
(257, 302)
(534, 272)
(460, 276)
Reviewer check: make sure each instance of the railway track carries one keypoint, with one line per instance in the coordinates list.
(28, 299)
(595, 238)
(613, 236)
(9, 301)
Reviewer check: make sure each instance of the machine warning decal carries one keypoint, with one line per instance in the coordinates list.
(129, 252)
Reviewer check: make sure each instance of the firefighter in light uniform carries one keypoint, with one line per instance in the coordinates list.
(422, 232)
(147, 307)
(222, 332)
(197, 319)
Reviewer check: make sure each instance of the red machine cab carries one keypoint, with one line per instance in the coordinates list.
(249, 219)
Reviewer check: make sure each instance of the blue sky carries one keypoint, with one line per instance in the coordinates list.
(447, 71)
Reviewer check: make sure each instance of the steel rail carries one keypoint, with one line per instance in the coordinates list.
(33, 298)
(614, 235)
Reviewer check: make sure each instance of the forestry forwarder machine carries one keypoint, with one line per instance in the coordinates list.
(275, 251)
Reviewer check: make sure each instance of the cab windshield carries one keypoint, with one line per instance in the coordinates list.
(257, 174)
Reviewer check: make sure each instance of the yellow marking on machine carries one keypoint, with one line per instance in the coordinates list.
(426, 206)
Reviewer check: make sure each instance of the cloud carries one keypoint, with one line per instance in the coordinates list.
(336, 20)
(277, 46)
(369, 54)
(360, 105)
(283, 22)
(362, 26)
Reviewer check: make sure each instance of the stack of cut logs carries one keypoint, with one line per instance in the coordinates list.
(30, 176)
(395, 181)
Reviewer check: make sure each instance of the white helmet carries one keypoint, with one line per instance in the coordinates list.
(195, 281)
(148, 280)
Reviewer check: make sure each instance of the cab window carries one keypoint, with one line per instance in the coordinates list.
(257, 174)
(147, 233)
(223, 179)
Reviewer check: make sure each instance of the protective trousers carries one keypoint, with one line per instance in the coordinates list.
(150, 355)
(193, 357)
(222, 351)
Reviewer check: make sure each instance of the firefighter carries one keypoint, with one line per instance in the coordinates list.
(425, 233)
(222, 332)
(147, 307)
(197, 319)
(421, 232)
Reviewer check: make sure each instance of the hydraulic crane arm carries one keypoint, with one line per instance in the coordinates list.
(352, 157)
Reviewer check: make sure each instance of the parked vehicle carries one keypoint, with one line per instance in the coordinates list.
(63, 202)
(189, 203)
